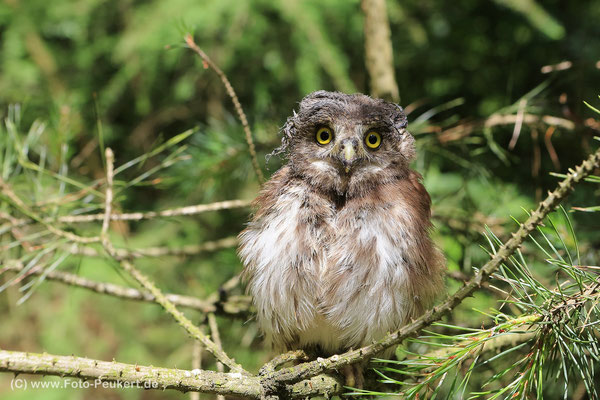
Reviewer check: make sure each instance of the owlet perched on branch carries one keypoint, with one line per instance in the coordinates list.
(338, 252)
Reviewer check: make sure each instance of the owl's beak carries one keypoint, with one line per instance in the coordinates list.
(348, 153)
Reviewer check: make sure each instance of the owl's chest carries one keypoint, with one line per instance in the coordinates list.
(313, 268)
(327, 242)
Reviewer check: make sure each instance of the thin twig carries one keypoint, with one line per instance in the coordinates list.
(187, 210)
(137, 216)
(504, 119)
(189, 40)
(214, 332)
(233, 306)
(69, 197)
(196, 364)
(544, 208)
(551, 151)
(189, 250)
(518, 124)
(281, 359)
(465, 129)
(110, 170)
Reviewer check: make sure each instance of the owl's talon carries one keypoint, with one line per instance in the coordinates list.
(349, 375)
(359, 376)
(353, 375)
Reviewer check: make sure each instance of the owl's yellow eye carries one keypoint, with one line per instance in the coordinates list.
(373, 140)
(324, 135)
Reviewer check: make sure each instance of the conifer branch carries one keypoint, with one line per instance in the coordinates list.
(147, 284)
(189, 40)
(553, 199)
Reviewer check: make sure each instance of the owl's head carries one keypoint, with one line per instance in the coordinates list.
(347, 144)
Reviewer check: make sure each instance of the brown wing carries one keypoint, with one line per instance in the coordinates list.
(427, 282)
(420, 193)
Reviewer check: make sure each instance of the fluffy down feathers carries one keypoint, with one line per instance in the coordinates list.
(336, 259)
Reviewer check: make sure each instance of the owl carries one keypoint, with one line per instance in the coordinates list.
(338, 251)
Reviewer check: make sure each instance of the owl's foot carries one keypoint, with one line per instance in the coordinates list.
(353, 375)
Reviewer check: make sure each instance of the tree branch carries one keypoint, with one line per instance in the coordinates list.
(137, 216)
(378, 50)
(189, 40)
(110, 170)
(150, 377)
(144, 376)
(188, 250)
(233, 305)
(188, 210)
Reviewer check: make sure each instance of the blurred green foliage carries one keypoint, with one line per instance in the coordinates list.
(86, 74)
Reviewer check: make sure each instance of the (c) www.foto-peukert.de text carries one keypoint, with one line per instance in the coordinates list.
(24, 384)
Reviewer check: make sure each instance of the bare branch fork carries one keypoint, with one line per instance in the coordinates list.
(147, 284)
(303, 380)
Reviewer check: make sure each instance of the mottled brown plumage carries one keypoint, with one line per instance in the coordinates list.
(338, 252)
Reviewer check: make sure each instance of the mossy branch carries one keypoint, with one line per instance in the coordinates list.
(150, 377)
(145, 376)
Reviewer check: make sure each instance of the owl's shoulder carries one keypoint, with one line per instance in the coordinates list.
(414, 193)
(269, 196)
